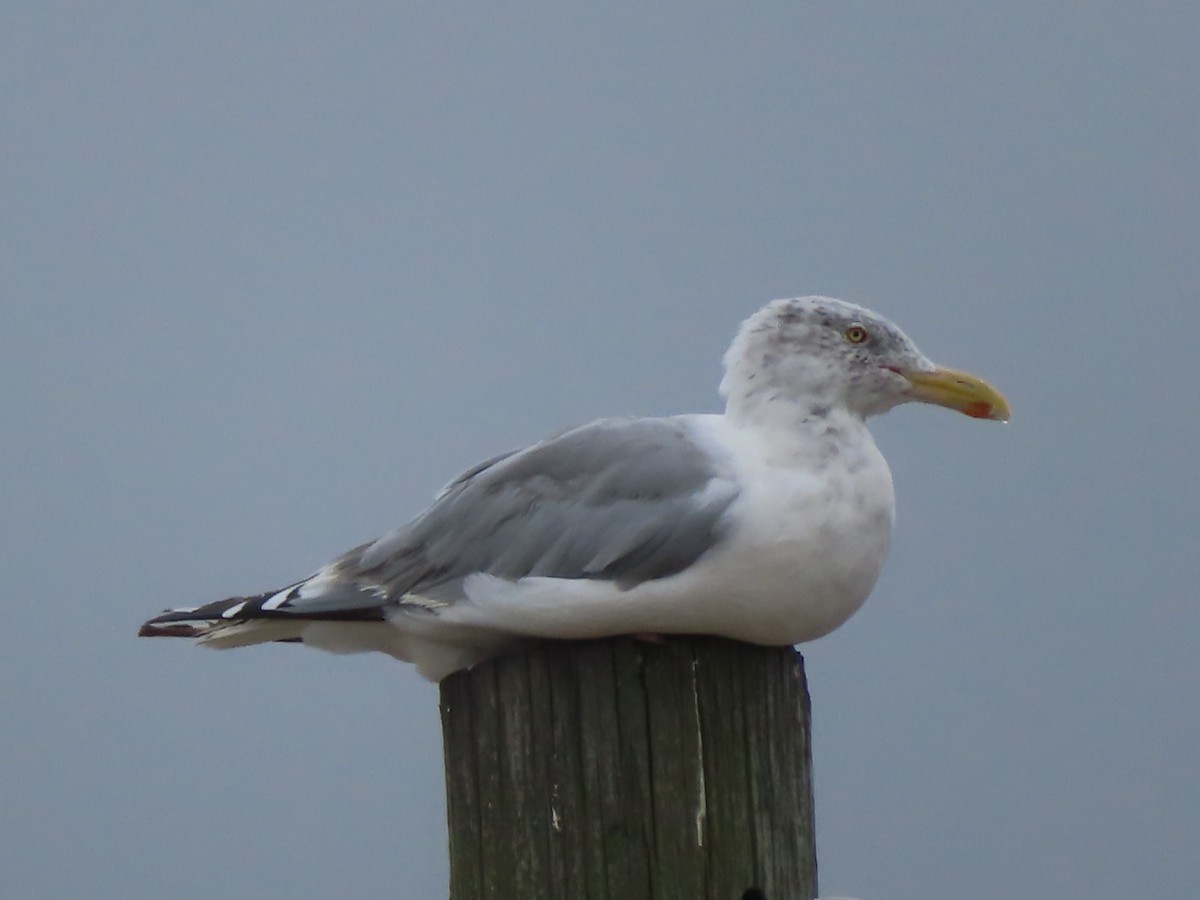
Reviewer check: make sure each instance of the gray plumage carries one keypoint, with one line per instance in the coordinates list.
(620, 499)
(624, 500)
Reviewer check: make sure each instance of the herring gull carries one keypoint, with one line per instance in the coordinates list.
(768, 523)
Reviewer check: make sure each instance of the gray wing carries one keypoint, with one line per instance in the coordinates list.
(625, 500)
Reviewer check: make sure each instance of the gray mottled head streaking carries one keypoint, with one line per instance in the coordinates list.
(819, 352)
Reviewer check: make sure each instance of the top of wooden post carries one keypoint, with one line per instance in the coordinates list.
(616, 769)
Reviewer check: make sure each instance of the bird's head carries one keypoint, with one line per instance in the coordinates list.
(816, 352)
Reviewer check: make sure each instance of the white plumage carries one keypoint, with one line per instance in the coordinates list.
(768, 523)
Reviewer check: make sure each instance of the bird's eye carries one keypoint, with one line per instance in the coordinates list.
(856, 334)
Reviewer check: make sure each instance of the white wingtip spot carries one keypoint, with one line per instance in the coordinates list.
(233, 610)
(278, 600)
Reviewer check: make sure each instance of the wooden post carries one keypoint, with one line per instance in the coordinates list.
(620, 770)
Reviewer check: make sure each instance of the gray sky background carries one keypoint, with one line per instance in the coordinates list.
(274, 272)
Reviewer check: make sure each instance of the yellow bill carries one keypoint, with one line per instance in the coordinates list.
(959, 391)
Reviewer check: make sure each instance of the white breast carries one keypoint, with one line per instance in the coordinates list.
(810, 541)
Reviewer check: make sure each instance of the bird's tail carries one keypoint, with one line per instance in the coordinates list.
(235, 622)
(352, 620)
(241, 621)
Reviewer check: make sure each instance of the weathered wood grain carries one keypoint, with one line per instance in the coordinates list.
(619, 770)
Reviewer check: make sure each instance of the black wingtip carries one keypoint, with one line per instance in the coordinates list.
(168, 629)
(202, 620)
(187, 622)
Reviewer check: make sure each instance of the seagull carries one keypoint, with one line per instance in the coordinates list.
(768, 523)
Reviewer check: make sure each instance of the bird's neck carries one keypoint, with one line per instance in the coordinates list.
(805, 432)
(761, 406)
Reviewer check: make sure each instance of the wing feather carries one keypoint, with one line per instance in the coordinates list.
(626, 500)
(620, 499)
